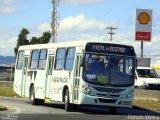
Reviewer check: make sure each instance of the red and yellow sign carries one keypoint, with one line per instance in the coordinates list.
(143, 18)
(143, 27)
(145, 36)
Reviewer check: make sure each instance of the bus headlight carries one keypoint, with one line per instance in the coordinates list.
(128, 94)
(86, 90)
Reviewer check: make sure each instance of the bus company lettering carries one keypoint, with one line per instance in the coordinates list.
(98, 47)
(109, 48)
(60, 79)
(118, 49)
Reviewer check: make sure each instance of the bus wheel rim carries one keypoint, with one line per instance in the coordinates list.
(66, 99)
(32, 98)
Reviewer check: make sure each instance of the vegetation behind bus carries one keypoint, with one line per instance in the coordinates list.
(23, 40)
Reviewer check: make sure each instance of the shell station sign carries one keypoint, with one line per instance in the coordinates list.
(143, 29)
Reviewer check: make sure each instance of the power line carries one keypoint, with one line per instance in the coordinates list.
(131, 29)
(111, 32)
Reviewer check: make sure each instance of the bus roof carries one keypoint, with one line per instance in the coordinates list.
(64, 44)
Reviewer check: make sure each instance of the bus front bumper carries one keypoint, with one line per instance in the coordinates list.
(101, 101)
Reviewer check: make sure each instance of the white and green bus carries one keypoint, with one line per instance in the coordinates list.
(77, 73)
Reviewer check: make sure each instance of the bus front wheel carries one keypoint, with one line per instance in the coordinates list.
(68, 106)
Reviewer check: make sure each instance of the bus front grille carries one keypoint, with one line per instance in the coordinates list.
(110, 95)
(106, 100)
(113, 90)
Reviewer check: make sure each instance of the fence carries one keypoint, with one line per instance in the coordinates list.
(6, 72)
(6, 83)
(7, 76)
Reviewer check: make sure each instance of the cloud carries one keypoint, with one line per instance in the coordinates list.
(81, 2)
(44, 27)
(80, 23)
(81, 28)
(8, 1)
(6, 7)
(8, 40)
(7, 45)
(7, 10)
(9, 6)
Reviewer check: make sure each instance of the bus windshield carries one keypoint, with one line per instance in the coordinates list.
(108, 70)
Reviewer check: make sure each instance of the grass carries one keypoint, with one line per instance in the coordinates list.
(7, 91)
(148, 104)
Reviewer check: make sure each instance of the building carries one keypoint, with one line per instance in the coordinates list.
(6, 72)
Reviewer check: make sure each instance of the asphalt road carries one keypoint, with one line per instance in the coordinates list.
(21, 109)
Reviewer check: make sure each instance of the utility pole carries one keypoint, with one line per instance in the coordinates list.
(111, 32)
(54, 23)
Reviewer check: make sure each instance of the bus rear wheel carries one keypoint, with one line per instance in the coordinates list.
(33, 100)
(67, 103)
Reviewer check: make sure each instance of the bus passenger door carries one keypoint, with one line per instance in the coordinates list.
(48, 85)
(24, 75)
(77, 79)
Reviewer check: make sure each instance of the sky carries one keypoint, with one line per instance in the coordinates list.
(79, 20)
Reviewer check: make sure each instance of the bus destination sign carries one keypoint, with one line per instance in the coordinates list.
(110, 48)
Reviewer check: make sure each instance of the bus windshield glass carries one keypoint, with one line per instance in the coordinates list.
(108, 70)
(147, 73)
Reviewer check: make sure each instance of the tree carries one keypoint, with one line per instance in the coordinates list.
(41, 40)
(45, 37)
(22, 40)
(35, 40)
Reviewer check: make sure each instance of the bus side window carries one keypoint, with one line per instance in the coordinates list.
(34, 59)
(20, 60)
(42, 59)
(60, 59)
(70, 59)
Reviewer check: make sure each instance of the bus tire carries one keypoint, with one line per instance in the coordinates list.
(74, 107)
(33, 100)
(68, 106)
(113, 110)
